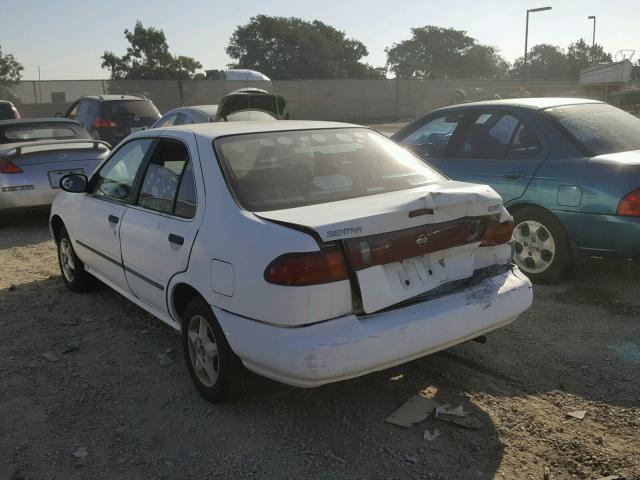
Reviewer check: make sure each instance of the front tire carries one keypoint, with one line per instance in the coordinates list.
(216, 371)
(541, 246)
(74, 276)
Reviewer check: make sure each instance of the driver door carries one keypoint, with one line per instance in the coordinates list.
(98, 214)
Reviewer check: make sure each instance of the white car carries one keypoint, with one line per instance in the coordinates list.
(310, 252)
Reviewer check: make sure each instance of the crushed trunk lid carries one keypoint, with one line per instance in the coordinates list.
(402, 244)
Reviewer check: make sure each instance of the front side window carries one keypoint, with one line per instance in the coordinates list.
(115, 179)
(277, 170)
(599, 128)
(432, 139)
(168, 178)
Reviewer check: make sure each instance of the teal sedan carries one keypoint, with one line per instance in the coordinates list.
(567, 169)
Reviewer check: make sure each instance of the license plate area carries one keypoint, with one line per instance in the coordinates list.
(56, 175)
(382, 286)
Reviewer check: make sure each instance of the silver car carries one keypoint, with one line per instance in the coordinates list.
(36, 153)
(252, 104)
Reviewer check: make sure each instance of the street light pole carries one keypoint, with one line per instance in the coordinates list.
(593, 41)
(526, 42)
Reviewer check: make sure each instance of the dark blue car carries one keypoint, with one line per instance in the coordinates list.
(568, 170)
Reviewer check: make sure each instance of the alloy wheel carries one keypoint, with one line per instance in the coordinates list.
(203, 350)
(535, 247)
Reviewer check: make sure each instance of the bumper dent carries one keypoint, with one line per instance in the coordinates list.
(350, 346)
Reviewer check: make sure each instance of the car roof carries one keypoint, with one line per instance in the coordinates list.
(205, 109)
(26, 121)
(6, 102)
(219, 129)
(536, 103)
(108, 98)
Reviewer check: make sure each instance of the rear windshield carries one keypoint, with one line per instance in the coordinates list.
(133, 108)
(30, 132)
(277, 170)
(6, 112)
(599, 128)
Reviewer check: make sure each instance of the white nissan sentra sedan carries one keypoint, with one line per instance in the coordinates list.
(310, 252)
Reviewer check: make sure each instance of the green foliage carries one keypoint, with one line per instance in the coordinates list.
(10, 68)
(292, 48)
(551, 62)
(434, 52)
(148, 57)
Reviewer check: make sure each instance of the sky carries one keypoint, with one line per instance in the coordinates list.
(67, 37)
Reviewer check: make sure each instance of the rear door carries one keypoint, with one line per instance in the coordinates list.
(98, 214)
(158, 231)
(498, 148)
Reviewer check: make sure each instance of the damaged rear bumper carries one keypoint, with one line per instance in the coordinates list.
(351, 346)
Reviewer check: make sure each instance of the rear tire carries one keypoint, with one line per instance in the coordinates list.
(216, 371)
(541, 246)
(74, 276)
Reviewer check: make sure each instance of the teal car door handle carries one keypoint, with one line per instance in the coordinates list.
(513, 175)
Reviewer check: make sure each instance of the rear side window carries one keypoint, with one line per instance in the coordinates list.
(489, 136)
(432, 139)
(168, 184)
(130, 108)
(277, 170)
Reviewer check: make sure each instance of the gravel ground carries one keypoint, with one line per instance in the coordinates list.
(91, 386)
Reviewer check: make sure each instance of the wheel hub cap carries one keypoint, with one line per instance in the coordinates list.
(203, 350)
(534, 246)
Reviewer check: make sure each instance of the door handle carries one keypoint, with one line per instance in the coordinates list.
(176, 239)
(113, 219)
(513, 175)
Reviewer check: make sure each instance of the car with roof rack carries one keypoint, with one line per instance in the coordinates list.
(112, 117)
(36, 152)
(309, 252)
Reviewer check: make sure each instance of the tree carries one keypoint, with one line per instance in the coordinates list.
(544, 61)
(292, 48)
(435, 52)
(580, 56)
(148, 57)
(10, 68)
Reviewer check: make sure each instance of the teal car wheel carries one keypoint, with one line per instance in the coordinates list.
(540, 245)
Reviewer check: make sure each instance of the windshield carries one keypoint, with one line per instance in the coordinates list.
(599, 128)
(277, 170)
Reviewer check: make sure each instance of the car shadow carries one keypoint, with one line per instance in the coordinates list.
(21, 228)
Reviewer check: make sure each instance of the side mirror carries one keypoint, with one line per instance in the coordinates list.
(74, 183)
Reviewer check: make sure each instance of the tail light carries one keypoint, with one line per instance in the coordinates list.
(104, 123)
(497, 233)
(630, 204)
(299, 269)
(7, 166)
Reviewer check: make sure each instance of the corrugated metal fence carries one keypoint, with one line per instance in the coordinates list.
(346, 100)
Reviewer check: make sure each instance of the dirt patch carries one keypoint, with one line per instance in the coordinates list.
(93, 387)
